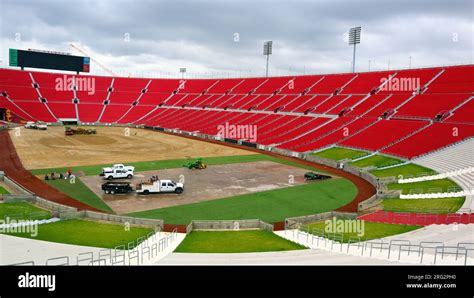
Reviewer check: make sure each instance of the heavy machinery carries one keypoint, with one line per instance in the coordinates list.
(195, 165)
(69, 131)
(315, 176)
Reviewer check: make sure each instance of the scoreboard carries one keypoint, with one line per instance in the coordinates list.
(49, 60)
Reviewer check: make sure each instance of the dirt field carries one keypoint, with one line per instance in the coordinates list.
(51, 148)
(212, 183)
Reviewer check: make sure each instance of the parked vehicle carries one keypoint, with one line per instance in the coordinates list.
(155, 185)
(36, 125)
(110, 187)
(118, 171)
(69, 131)
(315, 176)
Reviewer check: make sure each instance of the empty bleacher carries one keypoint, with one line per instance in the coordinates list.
(300, 113)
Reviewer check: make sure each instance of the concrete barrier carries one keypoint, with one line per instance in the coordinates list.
(295, 222)
(226, 225)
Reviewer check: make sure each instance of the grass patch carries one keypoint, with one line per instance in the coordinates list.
(80, 192)
(407, 171)
(235, 242)
(338, 153)
(440, 185)
(435, 206)
(3, 191)
(270, 206)
(171, 164)
(371, 230)
(23, 211)
(87, 233)
(378, 161)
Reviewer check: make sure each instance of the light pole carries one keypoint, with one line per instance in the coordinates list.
(267, 51)
(409, 63)
(369, 65)
(182, 70)
(354, 39)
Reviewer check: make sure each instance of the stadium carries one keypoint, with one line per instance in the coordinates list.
(335, 168)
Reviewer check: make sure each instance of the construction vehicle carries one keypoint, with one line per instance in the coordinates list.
(155, 185)
(195, 165)
(315, 176)
(118, 171)
(69, 131)
(110, 187)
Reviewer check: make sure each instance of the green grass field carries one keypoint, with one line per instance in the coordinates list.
(378, 161)
(168, 164)
(424, 186)
(408, 170)
(3, 191)
(338, 153)
(438, 206)
(269, 206)
(80, 192)
(87, 233)
(371, 230)
(23, 211)
(235, 242)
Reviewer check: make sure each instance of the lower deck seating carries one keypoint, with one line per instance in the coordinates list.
(382, 133)
(302, 113)
(436, 136)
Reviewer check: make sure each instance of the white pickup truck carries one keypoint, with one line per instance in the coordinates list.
(36, 125)
(158, 186)
(118, 171)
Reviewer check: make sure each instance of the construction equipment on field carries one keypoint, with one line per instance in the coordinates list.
(195, 165)
(69, 131)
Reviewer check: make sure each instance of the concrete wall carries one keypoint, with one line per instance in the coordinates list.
(70, 214)
(233, 225)
(294, 222)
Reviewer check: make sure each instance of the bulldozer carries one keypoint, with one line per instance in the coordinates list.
(195, 165)
(69, 131)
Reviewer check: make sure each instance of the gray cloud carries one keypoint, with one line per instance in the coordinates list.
(308, 35)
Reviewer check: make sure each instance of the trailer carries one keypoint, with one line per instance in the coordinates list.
(155, 185)
(69, 131)
(110, 187)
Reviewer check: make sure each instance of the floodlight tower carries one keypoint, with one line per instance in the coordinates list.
(267, 51)
(182, 70)
(354, 38)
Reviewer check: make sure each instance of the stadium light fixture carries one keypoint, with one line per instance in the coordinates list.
(354, 39)
(267, 51)
(182, 70)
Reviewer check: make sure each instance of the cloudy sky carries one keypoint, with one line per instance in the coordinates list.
(224, 38)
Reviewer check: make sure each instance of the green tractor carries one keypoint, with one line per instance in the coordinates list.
(195, 165)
